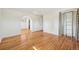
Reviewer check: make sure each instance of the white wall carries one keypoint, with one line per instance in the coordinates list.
(37, 23)
(51, 23)
(0, 22)
(25, 22)
(10, 22)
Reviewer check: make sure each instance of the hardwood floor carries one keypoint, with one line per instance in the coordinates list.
(38, 41)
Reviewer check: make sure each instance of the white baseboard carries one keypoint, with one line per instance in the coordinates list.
(51, 33)
(1, 38)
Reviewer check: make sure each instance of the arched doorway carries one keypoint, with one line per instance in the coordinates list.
(26, 23)
(26, 28)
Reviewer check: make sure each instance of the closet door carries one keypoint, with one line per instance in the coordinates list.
(68, 24)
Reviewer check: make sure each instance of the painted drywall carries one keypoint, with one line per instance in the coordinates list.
(0, 23)
(51, 23)
(10, 23)
(74, 24)
(37, 23)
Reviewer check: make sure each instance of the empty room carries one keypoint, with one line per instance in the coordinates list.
(39, 28)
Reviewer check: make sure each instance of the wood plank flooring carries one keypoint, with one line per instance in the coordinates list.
(38, 41)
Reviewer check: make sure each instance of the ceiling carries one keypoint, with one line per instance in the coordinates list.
(38, 11)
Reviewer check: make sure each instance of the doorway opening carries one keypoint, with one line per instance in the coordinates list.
(67, 24)
(26, 23)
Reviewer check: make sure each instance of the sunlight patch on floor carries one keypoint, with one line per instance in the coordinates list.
(35, 48)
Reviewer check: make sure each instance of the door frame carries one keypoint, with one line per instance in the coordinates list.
(61, 23)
